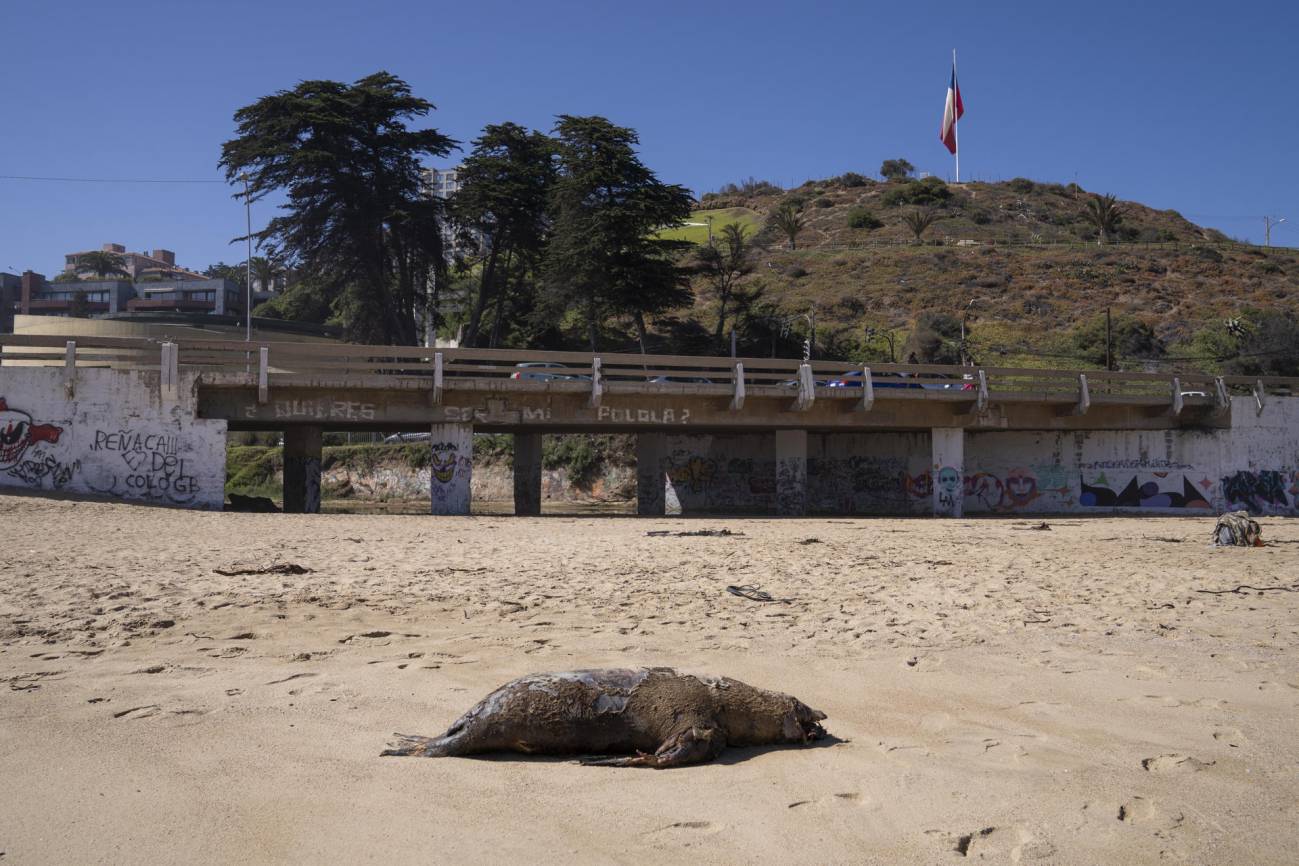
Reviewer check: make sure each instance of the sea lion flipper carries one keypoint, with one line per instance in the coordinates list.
(410, 745)
(640, 760)
(694, 745)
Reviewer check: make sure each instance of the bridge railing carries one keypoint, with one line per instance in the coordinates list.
(299, 361)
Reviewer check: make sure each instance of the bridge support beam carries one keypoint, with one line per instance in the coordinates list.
(947, 471)
(651, 487)
(302, 470)
(452, 461)
(791, 472)
(527, 473)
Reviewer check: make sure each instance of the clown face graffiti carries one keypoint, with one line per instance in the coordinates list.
(445, 456)
(949, 480)
(1021, 487)
(17, 433)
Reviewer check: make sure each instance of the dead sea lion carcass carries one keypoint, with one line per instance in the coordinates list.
(664, 718)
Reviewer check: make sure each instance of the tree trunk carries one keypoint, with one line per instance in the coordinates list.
(484, 292)
(501, 296)
(640, 330)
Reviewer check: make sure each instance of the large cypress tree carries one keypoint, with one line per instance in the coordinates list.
(603, 258)
(355, 224)
(504, 187)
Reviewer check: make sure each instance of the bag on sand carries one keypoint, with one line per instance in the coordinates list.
(1236, 528)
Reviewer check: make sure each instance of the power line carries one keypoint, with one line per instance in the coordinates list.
(106, 179)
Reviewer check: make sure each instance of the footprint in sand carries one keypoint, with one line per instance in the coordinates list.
(375, 638)
(1173, 763)
(682, 832)
(998, 843)
(1230, 737)
(847, 798)
(139, 712)
(1140, 811)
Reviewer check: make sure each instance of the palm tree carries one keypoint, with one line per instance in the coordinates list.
(788, 218)
(920, 219)
(1105, 213)
(102, 264)
(265, 272)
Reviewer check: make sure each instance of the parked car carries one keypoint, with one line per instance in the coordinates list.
(407, 437)
(687, 380)
(854, 379)
(546, 371)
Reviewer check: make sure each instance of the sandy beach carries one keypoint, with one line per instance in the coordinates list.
(994, 692)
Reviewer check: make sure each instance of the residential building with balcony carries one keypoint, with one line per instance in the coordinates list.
(158, 264)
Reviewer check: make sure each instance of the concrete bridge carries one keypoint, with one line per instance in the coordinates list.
(775, 420)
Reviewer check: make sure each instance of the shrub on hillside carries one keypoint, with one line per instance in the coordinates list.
(860, 218)
(851, 179)
(796, 271)
(823, 203)
(749, 186)
(896, 169)
(1021, 185)
(1262, 343)
(936, 339)
(929, 192)
(1131, 338)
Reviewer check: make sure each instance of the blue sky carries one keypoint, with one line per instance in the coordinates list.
(1181, 105)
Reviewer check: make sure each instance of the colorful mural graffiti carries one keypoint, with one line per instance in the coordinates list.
(1160, 491)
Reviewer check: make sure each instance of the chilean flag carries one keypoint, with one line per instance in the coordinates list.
(953, 109)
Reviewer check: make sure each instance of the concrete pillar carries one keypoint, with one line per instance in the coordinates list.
(947, 469)
(650, 483)
(452, 461)
(791, 472)
(527, 473)
(302, 470)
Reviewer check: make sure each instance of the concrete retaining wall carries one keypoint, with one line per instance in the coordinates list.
(1254, 465)
(110, 433)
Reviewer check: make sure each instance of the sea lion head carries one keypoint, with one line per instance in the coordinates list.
(802, 723)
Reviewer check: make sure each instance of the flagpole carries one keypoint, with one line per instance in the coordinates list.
(956, 116)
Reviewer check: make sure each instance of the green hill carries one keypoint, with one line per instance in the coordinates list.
(1021, 255)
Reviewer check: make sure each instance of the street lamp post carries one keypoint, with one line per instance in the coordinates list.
(1268, 223)
(248, 270)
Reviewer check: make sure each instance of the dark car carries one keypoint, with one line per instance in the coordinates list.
(686, 380)
(854, 379)
(546, 371)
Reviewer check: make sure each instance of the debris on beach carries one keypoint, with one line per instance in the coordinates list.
(1237, 529)
(753, 593)
(693, 533)
(1038, 527)
(812, 540)
(272, 568)
(252, 504)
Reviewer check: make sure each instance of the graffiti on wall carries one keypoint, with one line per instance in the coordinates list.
(918, 486)
(693, 472)
(950, 488)
(1017, 489)
(1157, 490)
(152, 466)
(1267, 491)
(451, 465)
(24, 451)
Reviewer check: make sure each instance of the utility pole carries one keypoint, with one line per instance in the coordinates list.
(965, 315)
(1268, 222)
(1109, 340)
